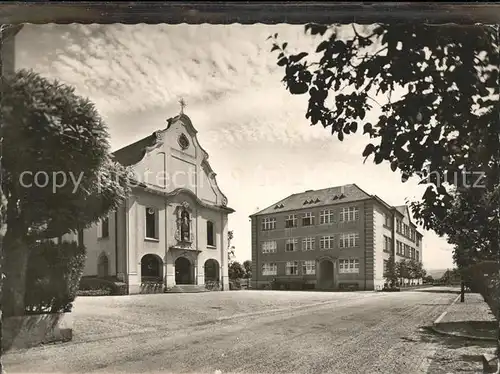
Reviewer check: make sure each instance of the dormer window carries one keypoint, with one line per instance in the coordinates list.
(317, 200)
(335, 197)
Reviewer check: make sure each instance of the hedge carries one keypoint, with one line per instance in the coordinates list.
(53, 273)
(93, 286)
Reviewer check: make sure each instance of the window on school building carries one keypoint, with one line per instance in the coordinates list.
(269, 246)
(326, 216)
(308, 219)
(291, 245)
(291, 221)
(327, 242)
(309, 267)
(269, 269)
(349, 240)
(350, 265)
(349, 214)
(308, 244)
(292, 268)
(268, 224)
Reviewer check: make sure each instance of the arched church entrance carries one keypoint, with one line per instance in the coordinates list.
(326, 274)
(211, 270)
(183, 271)
(151, 268)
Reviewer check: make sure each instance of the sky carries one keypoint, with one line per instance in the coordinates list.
(259, 142)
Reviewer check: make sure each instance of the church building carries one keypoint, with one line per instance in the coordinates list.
(172, 232)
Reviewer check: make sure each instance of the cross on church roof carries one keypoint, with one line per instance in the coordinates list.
(182, 104)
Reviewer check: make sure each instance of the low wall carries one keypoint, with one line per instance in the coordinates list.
(32, 330)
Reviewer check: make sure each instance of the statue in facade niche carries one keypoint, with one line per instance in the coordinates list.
(185, 226)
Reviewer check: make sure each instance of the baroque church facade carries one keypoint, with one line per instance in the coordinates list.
(173, 228)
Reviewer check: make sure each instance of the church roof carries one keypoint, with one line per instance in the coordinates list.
(133, 153)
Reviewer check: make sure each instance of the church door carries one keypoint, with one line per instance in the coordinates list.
(183, 271)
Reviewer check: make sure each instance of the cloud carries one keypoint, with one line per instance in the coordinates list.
(134, 69)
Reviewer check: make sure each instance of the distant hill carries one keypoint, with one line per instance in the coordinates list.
(436, 273)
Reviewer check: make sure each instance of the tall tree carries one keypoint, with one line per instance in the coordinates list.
(412, 270)
(247, 265)
(440, 86)
(469, 228)
(236, 270)
(57, 173)
(230, 252)
(439, 119)
(402, 271)
(390, 274)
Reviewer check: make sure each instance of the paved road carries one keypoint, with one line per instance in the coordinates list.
(356, 333)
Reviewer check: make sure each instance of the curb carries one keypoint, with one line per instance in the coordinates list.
(460, 335)
(456, 334)
(446, 311)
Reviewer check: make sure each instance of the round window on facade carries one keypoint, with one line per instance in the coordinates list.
(183, 141)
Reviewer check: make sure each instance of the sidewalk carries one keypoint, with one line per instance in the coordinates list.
(471, 319)
(468, 330)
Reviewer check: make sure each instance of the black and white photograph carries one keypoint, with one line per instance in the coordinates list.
(250, 198)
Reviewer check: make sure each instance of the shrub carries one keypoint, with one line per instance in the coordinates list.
(483, 278)
(93, 286)
(391, 289)
(53, 273)
(234, 284)
(212, 285)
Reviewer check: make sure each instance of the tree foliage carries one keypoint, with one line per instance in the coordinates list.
(428, 279)
(52, 130)
(54, 272)
(438, 120)
(390, 273)
(471, 228)
(236, 270)
(404, 269)
(48, 129)
(469, 225)
(230, 248)
(247, 265)
(482, 277)
(440, 87)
